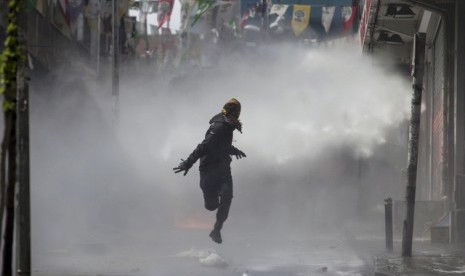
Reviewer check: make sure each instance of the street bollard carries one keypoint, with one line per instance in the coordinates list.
(388, 222)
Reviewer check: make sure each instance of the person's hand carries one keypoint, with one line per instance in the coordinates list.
(183, 166)
(239, 154)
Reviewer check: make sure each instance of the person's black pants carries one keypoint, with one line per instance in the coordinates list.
(217, 187)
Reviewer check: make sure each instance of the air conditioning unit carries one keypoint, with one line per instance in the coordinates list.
(390, 38)
(399, 11)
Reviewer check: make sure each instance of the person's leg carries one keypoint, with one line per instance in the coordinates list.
(225, 194)
(210, 191)
(211, 199)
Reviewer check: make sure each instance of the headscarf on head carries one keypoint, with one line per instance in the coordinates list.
(232, 111)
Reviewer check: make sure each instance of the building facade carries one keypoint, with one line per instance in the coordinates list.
(386, 31)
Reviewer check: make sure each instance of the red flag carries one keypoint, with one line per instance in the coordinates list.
(73, 9)
(164, 11)
(348, 15)
(245, 16)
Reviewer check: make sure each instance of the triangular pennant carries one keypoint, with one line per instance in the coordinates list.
(60, 21)
(348, 15)
(245, 16)
(40, 6)
(165, 7)
(186, 9)
(226, 15)
(252, 11)
(233, 25)
(203, 7)
(279, 10)
(300, 18)
(327, 17)
(74, 9)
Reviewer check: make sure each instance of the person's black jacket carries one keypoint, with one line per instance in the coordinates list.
(216, 148)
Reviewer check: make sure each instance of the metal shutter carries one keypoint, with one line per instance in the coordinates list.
(438, 114)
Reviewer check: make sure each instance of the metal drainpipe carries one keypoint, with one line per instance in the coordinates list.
(115, 63)
(23, 214)
(419, 58)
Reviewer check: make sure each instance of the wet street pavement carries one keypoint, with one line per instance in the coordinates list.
(420, 266)
(238, 256)
(192, 253)
(427, 260)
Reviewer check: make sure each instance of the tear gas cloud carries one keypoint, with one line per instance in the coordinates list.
(308, 115)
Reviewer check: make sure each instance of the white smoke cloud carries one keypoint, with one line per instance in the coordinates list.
(296, 103)
(307, 115)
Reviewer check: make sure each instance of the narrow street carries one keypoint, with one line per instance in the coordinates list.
(312, 129)
(239, 256)
(246, 256)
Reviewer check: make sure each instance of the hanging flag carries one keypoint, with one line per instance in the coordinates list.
(31, 4)
(91, 13)
(61, 4)
(327, 17)
(165, 7)
(348, 15)
(233, 25)
(74, 9)
(203, 7)
(279, 10)
(40, 6)
(252, 10)
(60, 21)
(300, 18)
(124, 6)
(35, 4)
(226, 14)
(186, 9)
(245, 16)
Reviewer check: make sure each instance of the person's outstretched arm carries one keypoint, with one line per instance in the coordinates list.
(213, 134)
(237, 152)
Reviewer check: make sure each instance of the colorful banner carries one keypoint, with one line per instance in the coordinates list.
(251, 13)
(123, 8)
(300, 18)
(203, 7)
(234, 27)
(226, 15)
(40, 6)
(95, 8)
(60, 21)
(165, 7)
(35, 4)
(348, 15)
(327, 17)
(91, 13)
(244, 17)
(74, 9)
(186, 9)
(279, 10)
